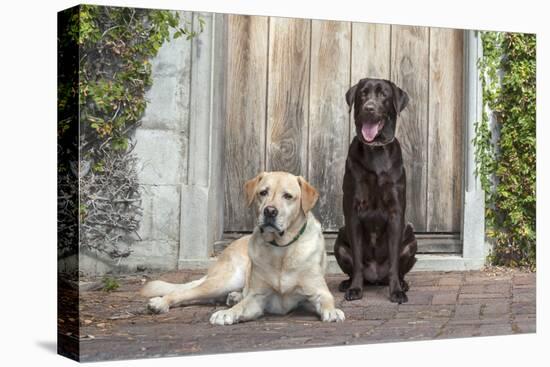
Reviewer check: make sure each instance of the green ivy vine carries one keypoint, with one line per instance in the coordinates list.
(505, 146)
(116, 46)
(104, 63)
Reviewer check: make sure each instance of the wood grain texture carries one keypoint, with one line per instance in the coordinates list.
(370, 51)
(445, 157)
(286, 81)
(410, 71)
(329, 117)
(370, 54)
(288, 95)
(246, 108)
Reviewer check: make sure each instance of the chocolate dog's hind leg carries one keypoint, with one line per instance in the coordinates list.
(407, 254)
(407, 259)
(342, 253)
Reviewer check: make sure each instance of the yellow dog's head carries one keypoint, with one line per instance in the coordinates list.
(280, 200)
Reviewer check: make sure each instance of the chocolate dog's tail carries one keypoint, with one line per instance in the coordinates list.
(409, 238)
(408, 250)
(159, 288)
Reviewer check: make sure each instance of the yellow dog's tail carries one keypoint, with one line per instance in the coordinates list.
(159, 288)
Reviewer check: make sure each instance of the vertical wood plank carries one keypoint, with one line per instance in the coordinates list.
(410, 71)
(370, 51)
(445, 134)
(246, 109)
(288, 95)
(370, 55)
(328, 117)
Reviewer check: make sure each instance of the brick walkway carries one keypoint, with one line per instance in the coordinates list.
(441, 305)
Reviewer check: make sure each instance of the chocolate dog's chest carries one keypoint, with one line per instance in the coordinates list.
(374, 195)
(374, 185)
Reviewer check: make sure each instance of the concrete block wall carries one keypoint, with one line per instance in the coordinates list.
(162, 143)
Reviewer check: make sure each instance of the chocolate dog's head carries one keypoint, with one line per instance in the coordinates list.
(377, 103)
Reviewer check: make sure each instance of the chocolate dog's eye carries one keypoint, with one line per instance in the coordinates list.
(263, 193)
(287, 196)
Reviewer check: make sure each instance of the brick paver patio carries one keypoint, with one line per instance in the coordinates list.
(441, 305)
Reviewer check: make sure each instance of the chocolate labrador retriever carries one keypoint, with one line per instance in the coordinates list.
(375, 246)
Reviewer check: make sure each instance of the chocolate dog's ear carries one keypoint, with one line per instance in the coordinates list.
(350, 96)
(309, 195)
(250, 188)
(400, 98)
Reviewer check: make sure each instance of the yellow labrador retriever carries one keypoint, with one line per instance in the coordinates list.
(279, 266)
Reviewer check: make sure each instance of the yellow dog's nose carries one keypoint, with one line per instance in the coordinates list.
(270, 212)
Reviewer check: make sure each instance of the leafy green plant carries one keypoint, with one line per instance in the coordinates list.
(110, 284)
(116, 46)
(505, 146)
(104, 72)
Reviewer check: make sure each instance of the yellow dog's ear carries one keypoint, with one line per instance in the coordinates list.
(309, 195)
(250, 188)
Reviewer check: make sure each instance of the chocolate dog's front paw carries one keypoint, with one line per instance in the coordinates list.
(398, 297)
(353, 294)
(344, 285)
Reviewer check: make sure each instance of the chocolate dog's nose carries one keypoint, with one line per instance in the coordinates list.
(270, 212)
(369, 107)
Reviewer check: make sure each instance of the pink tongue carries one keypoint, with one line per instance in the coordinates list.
(369, 130)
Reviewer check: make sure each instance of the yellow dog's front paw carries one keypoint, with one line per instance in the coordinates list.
(158, 305)
(223, 317)
(334, 315)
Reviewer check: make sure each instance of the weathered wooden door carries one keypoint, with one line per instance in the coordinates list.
(286, 111)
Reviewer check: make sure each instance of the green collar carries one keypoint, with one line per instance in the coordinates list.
(273, 243)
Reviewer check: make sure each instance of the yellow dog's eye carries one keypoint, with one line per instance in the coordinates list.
(287, 196)
(263, 193)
